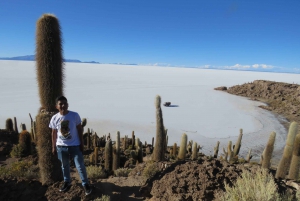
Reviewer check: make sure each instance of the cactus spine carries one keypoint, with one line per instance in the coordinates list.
(49, 65)
(108, 155)
(285, 161)
(182, 148)
(116, 153)
(267, 153)
(194, 152)
(216, 149)
(9, 124)
(295, 163)
(159, 149)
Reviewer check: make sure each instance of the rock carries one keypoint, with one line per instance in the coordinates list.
(222, 88)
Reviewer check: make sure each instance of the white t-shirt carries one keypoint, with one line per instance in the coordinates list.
(67, 134)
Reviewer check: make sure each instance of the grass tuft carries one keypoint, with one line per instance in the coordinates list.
(95, 172)
(150, 170)
(122, 172)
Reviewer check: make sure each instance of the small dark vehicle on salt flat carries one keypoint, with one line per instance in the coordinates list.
(167, 104)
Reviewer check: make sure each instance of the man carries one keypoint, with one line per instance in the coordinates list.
(67, 141)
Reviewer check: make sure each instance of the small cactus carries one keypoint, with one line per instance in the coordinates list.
(285, 161)
(216, 150)
(182, 148)
(15, 125)
(140, 152)
(267, 153)
(225, 154)
(295, 163)
(238, 144)
(25, 143)
(249, 156)
(194, 152)
(83, 124)
(174, 149)
(96, 155)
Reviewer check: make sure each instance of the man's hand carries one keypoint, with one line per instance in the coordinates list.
(54, 151)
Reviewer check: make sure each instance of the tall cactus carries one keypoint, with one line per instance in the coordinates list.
(159, 149)
(267, 153)
(285, 161)
(9, 124)
(295, 164)
(182, 148)
(108, 155)
(49, 68)
(116, 153)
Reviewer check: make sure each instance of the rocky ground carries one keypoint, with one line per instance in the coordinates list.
(202, 179)
(281, 98)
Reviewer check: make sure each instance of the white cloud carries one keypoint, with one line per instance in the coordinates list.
(255, 65)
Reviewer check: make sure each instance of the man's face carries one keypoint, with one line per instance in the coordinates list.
(62, 106)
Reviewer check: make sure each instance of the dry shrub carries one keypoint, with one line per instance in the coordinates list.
(122, 172)
(20, 169)
(150, 170)
(95, 172)
(103, 198)
(17, 151)
(255, 185)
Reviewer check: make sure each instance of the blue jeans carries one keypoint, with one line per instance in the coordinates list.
(65, 153)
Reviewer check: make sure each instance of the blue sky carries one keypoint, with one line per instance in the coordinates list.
(193, 33)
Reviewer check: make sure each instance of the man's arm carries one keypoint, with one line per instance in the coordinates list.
(80, 135)
(54, 137)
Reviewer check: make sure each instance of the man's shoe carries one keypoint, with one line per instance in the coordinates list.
(65, 186)
(87, 189)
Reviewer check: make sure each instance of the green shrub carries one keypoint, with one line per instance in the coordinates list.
(256, 185)
(122, 172)
(103, 198)
(95, 172)
(150, 170)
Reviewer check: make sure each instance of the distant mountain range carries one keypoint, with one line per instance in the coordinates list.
(32, 58)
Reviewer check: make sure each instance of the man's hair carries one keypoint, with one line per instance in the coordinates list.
(60, 98)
